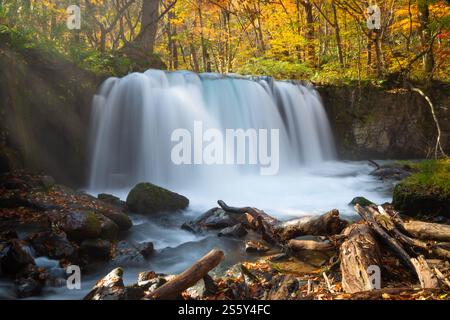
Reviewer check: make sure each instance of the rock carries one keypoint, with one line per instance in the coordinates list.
(109, 230)
(152, 284)
(28, 287)
(110, 287)
(130, 253)
(96, 248)
(236, 231)
(203, 288)
(361, 201)
(254, 246)
(80, 225)
(147, 198)
(15, 259)
(215, 218)
(112, 200)
(120, 218)
(414, 199)
(51, 244)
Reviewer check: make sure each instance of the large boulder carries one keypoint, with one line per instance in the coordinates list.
(147, 198)
(80, 225)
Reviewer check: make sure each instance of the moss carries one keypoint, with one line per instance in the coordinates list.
(427, 191)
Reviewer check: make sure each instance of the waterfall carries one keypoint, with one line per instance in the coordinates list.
(134, 117)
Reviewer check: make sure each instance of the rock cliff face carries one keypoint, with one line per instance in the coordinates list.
(45, 106)
(382, 123)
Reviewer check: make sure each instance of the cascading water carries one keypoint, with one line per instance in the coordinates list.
(134, 117)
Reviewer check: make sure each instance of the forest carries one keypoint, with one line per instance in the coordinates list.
(224, 150)
(318, 40)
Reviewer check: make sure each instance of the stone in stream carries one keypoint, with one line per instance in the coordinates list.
(132, 253)
(147, 198)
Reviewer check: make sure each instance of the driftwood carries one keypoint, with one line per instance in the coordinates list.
(370, 215)
(327, 224)
(173, 288)
(299, 245)
(276, 232)
(257, 220)
(428, 231)
(357, 254)
(426, 276)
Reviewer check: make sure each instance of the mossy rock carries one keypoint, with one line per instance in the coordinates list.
(81, 225)
(147, 198)
(427, 192)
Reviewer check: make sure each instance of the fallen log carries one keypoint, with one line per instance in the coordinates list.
(391, 224)
(327, 224)
(299, 245)
(370, 215)
(428, 231)
(173, 288)
(357, 254)
(426, 276)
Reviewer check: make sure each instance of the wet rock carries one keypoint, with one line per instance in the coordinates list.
(80, 225)
(131, 253)
(110, 287)
(215, 218)
(361, 201)
(15, 259)
(254, 246)
(134, 292)
(236, 231)
(152, 284)
(51, 244)
(120, 218)
(112, 200)
(147, 198)
(96, 248)
(28, 287)
(109, 230)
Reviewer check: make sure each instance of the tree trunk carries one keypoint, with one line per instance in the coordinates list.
(338, 35)
(205, 57)
(428, 231)
(185, 280)
(149, 24)
(425, 36)
(357, 254)
(326, 224)
(309, 35)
